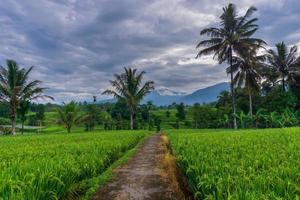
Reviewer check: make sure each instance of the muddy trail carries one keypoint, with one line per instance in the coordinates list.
(151, 174)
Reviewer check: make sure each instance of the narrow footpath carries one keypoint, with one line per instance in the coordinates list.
(151, 174)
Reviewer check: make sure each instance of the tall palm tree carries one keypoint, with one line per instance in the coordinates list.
(128, 88)
(285, 61)
(233, 36)
(247, 72)
(15, 87)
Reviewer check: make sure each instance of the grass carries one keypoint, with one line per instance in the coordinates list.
(246, 164)
(58, 165)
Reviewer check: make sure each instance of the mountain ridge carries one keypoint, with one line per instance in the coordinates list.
(165, 96)
(203, 95)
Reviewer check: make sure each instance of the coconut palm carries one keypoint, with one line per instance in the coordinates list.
(286, 62)
(247, 72)
(69, 115)
(233, 36)
(128, 88)
(15, 87)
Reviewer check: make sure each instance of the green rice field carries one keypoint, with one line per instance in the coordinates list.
(246, 164)
(53, 166)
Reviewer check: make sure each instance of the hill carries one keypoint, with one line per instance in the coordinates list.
(204, 95)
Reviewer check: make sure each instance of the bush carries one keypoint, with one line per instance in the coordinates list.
(4, 121)
(5, 131)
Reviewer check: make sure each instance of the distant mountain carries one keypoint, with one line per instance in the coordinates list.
(165, 96)
(205, 95)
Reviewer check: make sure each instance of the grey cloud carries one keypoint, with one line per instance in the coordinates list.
(77, 45)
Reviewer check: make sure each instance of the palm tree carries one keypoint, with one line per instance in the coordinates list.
(247, 72)
(232, 36)
(286, 62)
(128, 88)
(69, 115)
(15, 87)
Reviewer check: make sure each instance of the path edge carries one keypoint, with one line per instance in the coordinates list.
(180, 177)
(108, 174)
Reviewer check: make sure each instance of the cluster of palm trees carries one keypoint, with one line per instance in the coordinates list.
(250, 62)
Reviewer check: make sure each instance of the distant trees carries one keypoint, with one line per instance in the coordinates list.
(91, 117)
(23, 110)
(128, 88)
(15, 87)
(40, 113)
(69, 115)
(180, 112)
(168, 114)
(234, 35)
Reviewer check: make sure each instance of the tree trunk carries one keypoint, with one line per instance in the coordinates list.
(251, 107)
(13, 126)
(232, 90)
(131, 120)
(22, 127)
(283, 84)
(13, 118)
(250, 104)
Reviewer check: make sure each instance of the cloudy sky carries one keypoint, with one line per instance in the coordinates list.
(77, 45)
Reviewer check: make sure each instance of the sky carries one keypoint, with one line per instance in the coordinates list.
(77, 45)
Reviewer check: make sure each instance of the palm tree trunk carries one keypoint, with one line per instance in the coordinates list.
(13, 118)
(131, 120)
(13, 126)
(283, 84)
(250, 104)
(232, 90)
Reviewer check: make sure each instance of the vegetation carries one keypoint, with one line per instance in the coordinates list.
(16, 87)
(250, 164)
(23, 110)
(285, 63)
(69, 115)
(58, 166)
(219, 163)
(128, 88)
(234, 35)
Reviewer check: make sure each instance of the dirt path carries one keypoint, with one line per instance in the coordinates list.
(151, 174)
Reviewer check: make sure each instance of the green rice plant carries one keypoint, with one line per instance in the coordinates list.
(245, 164)
(53, 166)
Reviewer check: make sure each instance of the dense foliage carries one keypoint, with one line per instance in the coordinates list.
(130, 90)
(250, 164)
(16, 86)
